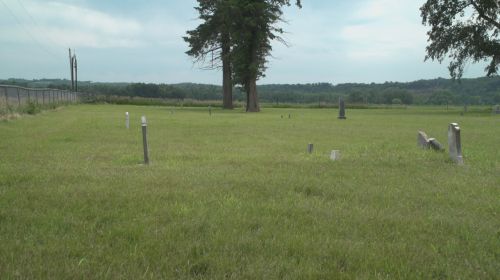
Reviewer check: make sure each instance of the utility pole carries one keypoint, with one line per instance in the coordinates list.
(71, 69)
(76, 72)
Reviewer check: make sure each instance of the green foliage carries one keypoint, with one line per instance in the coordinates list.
(218, 202)
(463, 30)
(32, 108)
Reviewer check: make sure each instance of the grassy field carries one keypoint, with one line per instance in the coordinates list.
(236, 196)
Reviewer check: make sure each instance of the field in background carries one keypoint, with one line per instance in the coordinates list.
(235, 195)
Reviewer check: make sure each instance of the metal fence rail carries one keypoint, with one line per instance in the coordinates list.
(14, 97)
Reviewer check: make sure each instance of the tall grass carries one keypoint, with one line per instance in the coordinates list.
(235, 195)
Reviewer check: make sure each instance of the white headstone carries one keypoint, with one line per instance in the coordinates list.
(127, 120)
(454, 143)
(335, 155)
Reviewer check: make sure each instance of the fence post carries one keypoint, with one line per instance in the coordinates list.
(18, 98)
(43, 97)
(6, 98)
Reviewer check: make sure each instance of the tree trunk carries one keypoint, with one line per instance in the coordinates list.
(227, 82)
(253, 98)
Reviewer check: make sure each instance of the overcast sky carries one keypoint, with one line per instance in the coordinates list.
(334, 41)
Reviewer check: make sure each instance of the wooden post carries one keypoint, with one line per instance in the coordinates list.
(145, 139)
(43, 97)
(18, 98)
(209, 110)
(6, 97)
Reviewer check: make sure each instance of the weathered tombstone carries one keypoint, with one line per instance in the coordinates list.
(454, 143)
(341, 109)
(310, 148)
(422, 140)
(127, 120)
(435, 145)
(335, 155)
(497, 110)
(145, 139)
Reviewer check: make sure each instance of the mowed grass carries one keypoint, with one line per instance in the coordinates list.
(236, 196)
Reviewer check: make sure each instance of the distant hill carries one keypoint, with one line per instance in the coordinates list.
(436, 91)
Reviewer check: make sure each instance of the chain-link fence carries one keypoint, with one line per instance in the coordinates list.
(14, 98)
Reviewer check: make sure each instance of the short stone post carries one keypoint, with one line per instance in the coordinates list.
(335, 155)
(341, 109)
(209, 110)
(497, 110)
(145, 139)
(127, 120)
(454, 143)
(310, 148)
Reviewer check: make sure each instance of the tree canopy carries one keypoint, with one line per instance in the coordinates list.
(239, 33)
(464, 31)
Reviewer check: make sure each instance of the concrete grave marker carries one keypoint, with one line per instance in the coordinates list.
(435, 145)
(127, 120)
(310, 148)
(422, 140)
(341, 109)
(145, 139)
(454, 143)
(335, 155)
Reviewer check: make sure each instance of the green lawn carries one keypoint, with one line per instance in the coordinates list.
(236, 196)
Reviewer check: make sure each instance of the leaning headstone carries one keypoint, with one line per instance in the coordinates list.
(335, 155)
(454, 143)
(435, 145)
(341, 109)
(422, 140)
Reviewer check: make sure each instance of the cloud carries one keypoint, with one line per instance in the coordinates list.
(71, 25)
(384, 30)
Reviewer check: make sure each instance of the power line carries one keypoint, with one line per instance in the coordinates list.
(36, 22)
(27, 31)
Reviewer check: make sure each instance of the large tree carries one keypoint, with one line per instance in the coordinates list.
(210, 42)
(253, 29)
(464, 31)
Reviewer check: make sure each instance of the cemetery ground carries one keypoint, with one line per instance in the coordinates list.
(236, 195)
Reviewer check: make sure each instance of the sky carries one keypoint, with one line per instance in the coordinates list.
(334, 41)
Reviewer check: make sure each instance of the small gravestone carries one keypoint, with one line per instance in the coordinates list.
(497, 110)
(310, 148)
(335, 155)
(422, 140)
(435, 145)
(454, 143)
(341, 109)
(209, 110)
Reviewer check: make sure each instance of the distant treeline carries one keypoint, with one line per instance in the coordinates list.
(479, 91)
